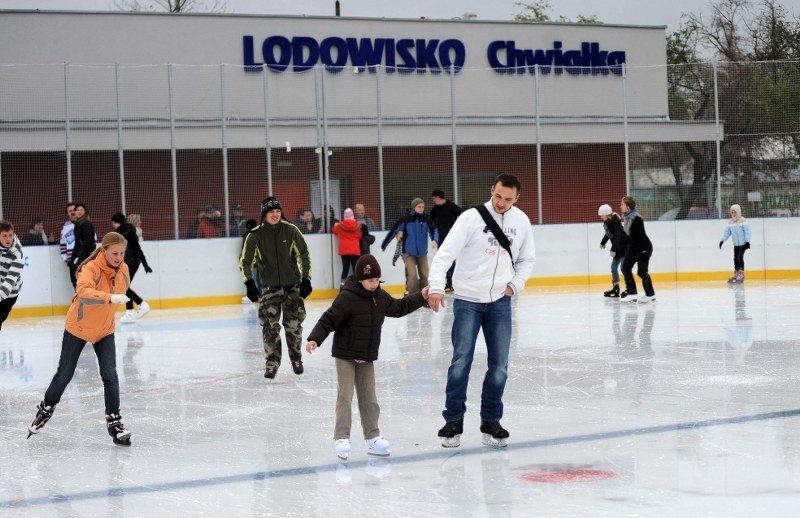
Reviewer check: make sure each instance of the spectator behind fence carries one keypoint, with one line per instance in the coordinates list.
(236, 224)
(36, 235)
(332, 220)
(210, 224)
(67, 242)
(199, 214)
(361, 216)
(306, 221)
(11, 264)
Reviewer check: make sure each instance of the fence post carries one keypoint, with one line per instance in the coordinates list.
(379, 114)
(173, 154)
(717, 140)
(539, 197)
(628, 180)
(267, 139)
(67, 136)
(453, 140)
(225, 188)
(120, 155)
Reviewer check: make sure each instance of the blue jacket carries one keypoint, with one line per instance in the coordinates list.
(738, 230)
(416, 229)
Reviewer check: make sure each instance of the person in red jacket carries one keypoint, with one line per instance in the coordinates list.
(349, 232)
(102, 279)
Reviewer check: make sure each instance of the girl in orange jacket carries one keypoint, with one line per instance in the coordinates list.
(102, 280)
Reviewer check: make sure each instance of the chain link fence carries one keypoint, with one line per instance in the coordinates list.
(177, 144)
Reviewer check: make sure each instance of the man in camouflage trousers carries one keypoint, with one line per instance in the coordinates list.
(277, 249)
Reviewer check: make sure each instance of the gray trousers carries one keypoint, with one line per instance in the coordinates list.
(361, 377)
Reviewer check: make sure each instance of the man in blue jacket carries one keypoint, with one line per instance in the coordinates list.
(417, 229)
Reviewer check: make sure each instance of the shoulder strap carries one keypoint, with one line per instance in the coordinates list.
(502, 239)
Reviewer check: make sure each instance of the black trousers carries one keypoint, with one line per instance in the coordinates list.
(5, 308)
(642, 259)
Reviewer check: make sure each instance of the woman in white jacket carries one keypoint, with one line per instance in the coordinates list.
(484, 281)
(738, 229)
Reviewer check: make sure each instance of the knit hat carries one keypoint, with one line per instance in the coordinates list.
(416, 201)
(367, 267)
(118, 218)
(270, 203)
(737, 209)
(604, 210)
(348, 214)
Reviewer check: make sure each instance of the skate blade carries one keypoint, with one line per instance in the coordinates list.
(341, 458)
(377, 454)
(451, 442)
(122, 442)
(29, 434)
(491, 442)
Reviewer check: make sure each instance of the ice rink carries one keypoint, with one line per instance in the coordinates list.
(689, 406)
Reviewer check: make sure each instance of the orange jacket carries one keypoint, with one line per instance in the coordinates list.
(349, 232)
(91, 314)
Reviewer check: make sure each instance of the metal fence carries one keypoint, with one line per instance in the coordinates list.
(179, 144)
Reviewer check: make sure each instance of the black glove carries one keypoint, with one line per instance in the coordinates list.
(147, 269)
(720, 245)
(252, 291)
(747, 246)
(305, 287)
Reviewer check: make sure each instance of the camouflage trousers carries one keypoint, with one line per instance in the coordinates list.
(273, 302)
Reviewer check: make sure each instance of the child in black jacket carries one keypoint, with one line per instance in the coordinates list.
(356, 318)
(612, 228)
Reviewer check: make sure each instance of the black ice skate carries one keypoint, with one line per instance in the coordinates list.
(494, 435)
(613, 292)
(451, 433)
(117, 430)
(43, 414)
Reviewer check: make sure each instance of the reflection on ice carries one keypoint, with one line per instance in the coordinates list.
(684, 406)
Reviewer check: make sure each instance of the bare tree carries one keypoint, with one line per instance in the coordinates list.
(172, 6)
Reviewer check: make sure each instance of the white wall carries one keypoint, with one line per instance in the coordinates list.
(193, 269)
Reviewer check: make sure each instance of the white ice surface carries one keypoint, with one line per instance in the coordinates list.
(685, 407)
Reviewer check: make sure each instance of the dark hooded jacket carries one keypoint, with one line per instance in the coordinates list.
(355, 318)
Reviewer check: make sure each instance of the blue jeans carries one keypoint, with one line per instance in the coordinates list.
(615, 263)
(469, 318)
(71, 347)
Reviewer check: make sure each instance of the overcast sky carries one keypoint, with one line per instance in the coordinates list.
(630, 12)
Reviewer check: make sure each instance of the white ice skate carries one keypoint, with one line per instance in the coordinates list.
(342, 448)
(377, 446)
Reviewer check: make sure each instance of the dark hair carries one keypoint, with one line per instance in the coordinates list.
(438, 193)
(81, 205)
(630, 201)
(36, 221)
(508, 180)
(69, 204)
(6, 225)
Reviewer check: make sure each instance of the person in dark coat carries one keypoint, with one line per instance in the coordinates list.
(355, 319)
(639, 251)
(85, 241)
(612, 228)
(134, 257)
(444, 215)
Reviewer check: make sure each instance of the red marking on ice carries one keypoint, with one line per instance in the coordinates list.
(568, 475)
